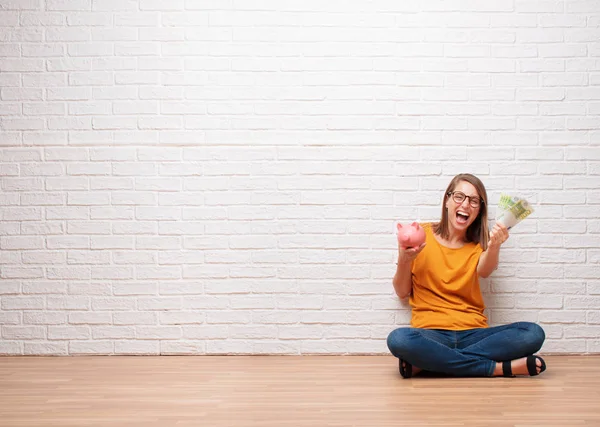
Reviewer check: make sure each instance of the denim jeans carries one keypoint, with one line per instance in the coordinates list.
(471, 353)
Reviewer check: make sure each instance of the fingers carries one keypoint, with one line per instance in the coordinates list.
(498, 235)
(499, 229)
(494, 239)
(504, 231)
(415, 250)
(409, 254)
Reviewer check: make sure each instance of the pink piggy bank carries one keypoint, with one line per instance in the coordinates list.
(410, 236)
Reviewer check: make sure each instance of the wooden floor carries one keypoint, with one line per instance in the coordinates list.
(281, 391)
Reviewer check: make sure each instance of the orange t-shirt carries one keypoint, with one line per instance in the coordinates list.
(445, 292)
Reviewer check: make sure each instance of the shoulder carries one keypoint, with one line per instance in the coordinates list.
(429, 227)
(426, 225)
(477, 249)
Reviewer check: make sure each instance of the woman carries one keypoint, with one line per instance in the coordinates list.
(449, 332)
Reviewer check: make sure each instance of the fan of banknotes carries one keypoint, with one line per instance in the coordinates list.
(512, 210)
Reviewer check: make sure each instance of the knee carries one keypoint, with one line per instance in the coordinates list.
(534, 336)
(398, 341)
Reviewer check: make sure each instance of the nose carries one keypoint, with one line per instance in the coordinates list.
(466, 202)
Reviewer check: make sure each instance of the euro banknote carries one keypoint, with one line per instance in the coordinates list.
(512, 210)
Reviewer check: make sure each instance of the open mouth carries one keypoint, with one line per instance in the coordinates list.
(462, 217)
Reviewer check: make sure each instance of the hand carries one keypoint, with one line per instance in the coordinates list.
(498, 235)
(407, 255)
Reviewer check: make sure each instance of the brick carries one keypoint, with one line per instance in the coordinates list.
(49, 287)
(10, 272)
(135, 288)
(137, 347)
(205, 332)
(45, 348)
(68, 303)
(91, 347)
(182, 347)
(23, 94)
(32, 19)
(112, 332)
(89, 19)
(136, 318)
(162, 303)
(68, 332)
(23, 332)
(158, 332)
(11, 348)
(90, 318)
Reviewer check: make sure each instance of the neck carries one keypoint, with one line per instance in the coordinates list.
(456, 237)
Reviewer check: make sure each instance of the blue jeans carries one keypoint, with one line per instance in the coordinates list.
(471, 353)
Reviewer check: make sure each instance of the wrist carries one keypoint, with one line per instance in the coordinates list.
(403, 262)
(494, 247)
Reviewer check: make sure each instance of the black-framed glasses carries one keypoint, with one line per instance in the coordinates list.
(459, 197)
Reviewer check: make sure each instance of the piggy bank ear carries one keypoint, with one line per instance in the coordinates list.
(398, 226)
(415, 224)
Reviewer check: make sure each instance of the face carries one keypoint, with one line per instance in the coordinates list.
(462, 215)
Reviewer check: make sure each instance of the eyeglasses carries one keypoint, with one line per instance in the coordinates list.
(460, 197)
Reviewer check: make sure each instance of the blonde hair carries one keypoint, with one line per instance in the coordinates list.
(478, 231)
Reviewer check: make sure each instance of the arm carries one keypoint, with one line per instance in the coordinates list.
(403, 277)
(488, 261)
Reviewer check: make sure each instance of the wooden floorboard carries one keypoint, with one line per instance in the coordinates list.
(286, 391)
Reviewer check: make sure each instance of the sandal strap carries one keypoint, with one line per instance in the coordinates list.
(532, 365)
(507, 369)
(543, 367)
(405, 371)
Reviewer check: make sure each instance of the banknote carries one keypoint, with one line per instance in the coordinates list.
(506, 201)
(512, 210)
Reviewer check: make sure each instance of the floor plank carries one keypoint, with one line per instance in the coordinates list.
(286, 391)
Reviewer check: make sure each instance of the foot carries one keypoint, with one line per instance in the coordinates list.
(415, 370)
(518, 367)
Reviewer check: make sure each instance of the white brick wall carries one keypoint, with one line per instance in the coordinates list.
(223, 176)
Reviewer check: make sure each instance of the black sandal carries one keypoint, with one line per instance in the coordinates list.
(405, 371)
(531, 367)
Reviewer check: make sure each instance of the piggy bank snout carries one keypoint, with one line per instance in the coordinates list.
(411, 236)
